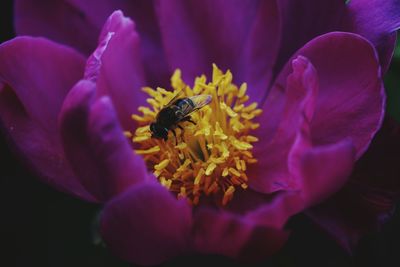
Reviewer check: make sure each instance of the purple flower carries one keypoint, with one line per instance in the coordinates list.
(313, 68)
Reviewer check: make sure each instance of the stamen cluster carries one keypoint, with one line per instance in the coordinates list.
(210, 157)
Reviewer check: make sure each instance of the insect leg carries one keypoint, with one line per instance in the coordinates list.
(176, 138)
(188, 119)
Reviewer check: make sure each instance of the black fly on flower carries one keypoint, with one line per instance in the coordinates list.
(176, 111)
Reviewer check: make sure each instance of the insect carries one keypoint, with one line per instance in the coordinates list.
(176, 111)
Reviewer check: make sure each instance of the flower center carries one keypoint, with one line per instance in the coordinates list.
(210, 156)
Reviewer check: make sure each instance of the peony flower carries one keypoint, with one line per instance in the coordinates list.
(297, 97)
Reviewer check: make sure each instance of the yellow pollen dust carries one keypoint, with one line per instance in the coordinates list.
(209, 158)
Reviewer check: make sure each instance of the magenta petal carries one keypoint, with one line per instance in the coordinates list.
(195, 33)
(368, 199)
(57, 20)
(319, 173)
(305, 20)
(377, 21)
(323, 170)
(95, 144)
(117, 68)
(146, 225)
(351, 98)
(271, 172)
(35, 76)
(261, 50)
(142, 12)
(224, 233)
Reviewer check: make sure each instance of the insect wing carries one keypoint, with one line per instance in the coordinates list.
(200, 101)
(191, 104)
(175, 97)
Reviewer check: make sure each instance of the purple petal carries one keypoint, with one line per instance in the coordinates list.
(271, 172)
(143, 14)
(57, 20)
(377, 21)
(35, 76)
(196, 34)
(368, 199)
(78, 24)
(146, 225)
(221, 232)
(351, 98)
(319, 173)
(305, 20)
(117, 68)
(95, 145)
(261, 50)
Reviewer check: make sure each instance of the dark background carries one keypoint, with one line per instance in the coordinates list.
(40, 226)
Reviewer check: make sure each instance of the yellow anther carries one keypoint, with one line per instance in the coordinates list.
(228, 110)
(252, 161)
(153, 102)
(164, 92)
(219, 132)
(147, 111)
(251, 107)
(163, 164)
(242, 90)
(199, 177)
(128, 134)
(238, 164)
(142, 130)
(138, 118)
(150, 91)
(257, 112)
(165, 182)
(234, 172)
(181, 146)
(248, 116)
(228, 195)
(210, 168)
(152, 150)
(243, 164)
(241, 145)
(251, 139)
(140, 138)
(238, 108)
(157, 173)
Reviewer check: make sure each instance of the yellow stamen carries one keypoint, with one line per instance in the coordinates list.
(209, 158)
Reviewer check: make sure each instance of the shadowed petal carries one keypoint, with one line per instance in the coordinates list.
(142, 12)
(117, 68)
(146, 225)
(319, 173)
(368, 199)
(57, 20)
(261, 50)
(35, 76)
(95, 145)
(305, 20)
(377, 21)
(224, 233)
(196, 34)
(78, 24)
